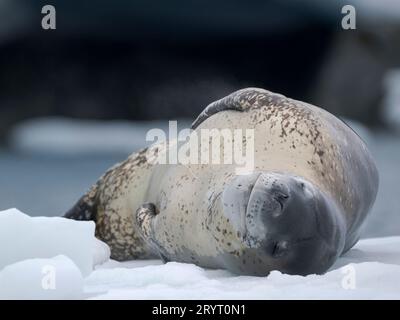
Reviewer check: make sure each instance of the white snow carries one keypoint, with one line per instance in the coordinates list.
(101, 252)
(38, 279)
(23, 237)
(371, 270)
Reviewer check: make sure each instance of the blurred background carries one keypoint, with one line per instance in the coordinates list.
(76, 100)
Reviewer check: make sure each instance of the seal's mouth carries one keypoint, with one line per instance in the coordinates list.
(235, 200)
(251, 197)
(268, 198)
(248, 218)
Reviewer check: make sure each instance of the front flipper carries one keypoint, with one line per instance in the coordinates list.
(240, 100)
(145, 217)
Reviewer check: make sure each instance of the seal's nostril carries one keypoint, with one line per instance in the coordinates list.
(280, 248)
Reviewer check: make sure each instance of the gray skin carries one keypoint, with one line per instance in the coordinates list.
(297, 211)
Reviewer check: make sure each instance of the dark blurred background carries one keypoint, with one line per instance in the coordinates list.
(77, 99)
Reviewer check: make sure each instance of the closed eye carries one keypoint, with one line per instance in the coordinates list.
(281, 198)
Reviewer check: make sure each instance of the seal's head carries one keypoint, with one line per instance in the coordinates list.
(284, 223)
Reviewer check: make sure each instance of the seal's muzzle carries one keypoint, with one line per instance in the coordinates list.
(286, 221)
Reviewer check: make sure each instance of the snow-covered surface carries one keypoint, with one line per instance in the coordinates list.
(371, 270)
(23, 237)
(39, 279)
(100, 252)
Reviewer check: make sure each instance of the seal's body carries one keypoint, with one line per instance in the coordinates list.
(301, 206)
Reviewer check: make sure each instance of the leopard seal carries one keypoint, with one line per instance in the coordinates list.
(313, 183)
